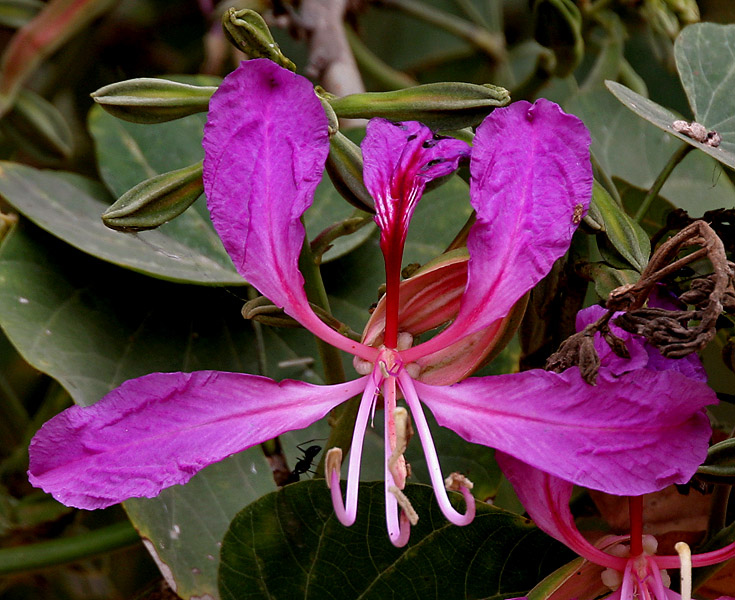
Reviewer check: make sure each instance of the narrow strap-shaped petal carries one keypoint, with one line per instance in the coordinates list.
(531, 185)
(159, 430)
(399, 160)
(546, 499)
(265, 146)
(627, 436)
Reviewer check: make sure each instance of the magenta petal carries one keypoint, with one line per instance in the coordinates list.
(399, 160)
(531, 185)
(627, 436)
(265, 144)
(546, 499)
(159, 430)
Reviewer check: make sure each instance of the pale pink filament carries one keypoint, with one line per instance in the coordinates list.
(432, 461)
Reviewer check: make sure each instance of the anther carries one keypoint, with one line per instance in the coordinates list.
(333, 462)
(404, 433)
(456, 481)
(685, 557)
(405, 504)
(405, 340)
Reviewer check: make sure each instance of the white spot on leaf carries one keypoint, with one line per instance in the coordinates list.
(23, 300)
(162, 566)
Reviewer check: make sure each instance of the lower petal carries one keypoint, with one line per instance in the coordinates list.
(627, 436)
(161, 429)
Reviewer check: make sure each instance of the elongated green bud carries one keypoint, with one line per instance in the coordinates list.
(344, 166)
(147, 100)
(248, 32)
(441, 106)
(37, 127)
(156, 201)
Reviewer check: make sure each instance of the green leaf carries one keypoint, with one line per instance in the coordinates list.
(625, 234)
(69, 206)
(703, 53)
(635, 151)
(664, 119)
(92, 326)
(289, 544)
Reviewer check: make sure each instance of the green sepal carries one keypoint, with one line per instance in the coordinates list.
(148, 100)
(719, 466)
(626, 236)
(16, 13)
(441, 106)
(344, 166)
(248, 32)
(156, 201)
(558, 26)
(37, 127)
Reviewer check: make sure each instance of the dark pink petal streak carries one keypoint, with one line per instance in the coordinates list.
(159, 430)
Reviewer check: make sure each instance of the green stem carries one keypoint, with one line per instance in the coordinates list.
(652, 194)
(492, 44)
(386, 76)
(718, 511)
(342, 418)
(51, 553)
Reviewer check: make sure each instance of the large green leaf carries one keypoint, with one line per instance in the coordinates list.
(69, 206)
(664, 119)
(635, 151)
(703, 54)
(704, 58)
(289, 544)
(92, 326)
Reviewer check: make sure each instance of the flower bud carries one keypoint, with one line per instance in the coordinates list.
(156, 201)
(147, 100)
(344, 166)
(441, 106)
(247, 31)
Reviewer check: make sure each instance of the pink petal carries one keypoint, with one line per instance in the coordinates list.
(159, 430)
(265, 146)
(546, 499)
(531, 184)
(627, 436)
(399, 160)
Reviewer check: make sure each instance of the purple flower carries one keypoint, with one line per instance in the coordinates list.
(633, 570)
(266, 143)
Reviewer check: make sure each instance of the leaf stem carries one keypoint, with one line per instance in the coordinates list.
(386, 76)
(490, 43)
(652, 194)
(41, 555)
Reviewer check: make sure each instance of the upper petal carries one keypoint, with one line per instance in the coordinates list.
(265, 143)
(159, 430)
(531, 185)
(627, 436)
(399, 160)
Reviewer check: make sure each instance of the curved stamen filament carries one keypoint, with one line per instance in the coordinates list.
(432, 461)
(347, 512)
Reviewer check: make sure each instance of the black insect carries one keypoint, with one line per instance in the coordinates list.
(303, 465)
